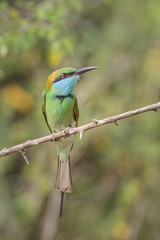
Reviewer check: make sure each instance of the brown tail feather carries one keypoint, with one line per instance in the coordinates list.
(63, 180)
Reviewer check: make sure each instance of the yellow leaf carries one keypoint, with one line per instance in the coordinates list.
(121, 231)
(13, 13)
(54, 58)
(17, 98)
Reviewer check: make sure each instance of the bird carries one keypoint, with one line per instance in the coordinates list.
(60, 109)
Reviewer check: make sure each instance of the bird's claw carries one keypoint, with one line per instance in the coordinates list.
(67, 131)
(53, 137)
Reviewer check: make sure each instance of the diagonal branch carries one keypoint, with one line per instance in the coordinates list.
(81, 129)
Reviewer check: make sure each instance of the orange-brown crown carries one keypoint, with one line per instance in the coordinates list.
(53, 76)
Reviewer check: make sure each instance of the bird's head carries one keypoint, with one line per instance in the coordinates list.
(63, 80)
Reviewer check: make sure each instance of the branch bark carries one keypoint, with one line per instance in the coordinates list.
(81, 129)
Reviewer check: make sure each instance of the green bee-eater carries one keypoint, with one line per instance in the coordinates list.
(60, 109)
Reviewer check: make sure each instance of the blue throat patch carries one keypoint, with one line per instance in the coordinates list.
(65, 86)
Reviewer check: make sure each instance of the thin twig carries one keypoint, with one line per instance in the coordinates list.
(115, 123)
(94, 124)
(81, 134)
(23, 152)
(95, 121)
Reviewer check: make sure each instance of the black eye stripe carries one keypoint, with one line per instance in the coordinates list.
(61, 78)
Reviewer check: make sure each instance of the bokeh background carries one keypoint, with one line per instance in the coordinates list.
(116, 170)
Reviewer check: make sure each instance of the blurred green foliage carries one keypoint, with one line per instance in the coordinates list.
(115, 169)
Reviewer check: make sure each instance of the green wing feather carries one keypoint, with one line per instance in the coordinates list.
(76, 111)
(43, 106)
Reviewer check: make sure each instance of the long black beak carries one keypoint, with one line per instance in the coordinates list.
(84, 69)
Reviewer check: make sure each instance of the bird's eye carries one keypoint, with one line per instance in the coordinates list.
(63, 75)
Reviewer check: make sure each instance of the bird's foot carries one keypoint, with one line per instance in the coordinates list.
(53, 136)
(67, 131)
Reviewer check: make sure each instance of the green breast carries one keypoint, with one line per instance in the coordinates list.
(59, 111)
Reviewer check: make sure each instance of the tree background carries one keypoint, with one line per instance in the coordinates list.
(115, 169)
